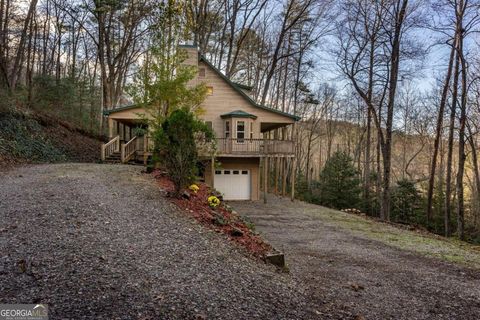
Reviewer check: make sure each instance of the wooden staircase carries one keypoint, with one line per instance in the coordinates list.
(116, 152)
(114, 157)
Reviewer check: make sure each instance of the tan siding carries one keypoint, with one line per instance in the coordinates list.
(225, 99)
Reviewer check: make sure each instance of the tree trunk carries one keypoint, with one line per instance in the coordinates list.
(393, 79)
(448, 180)
(438, 132)
(461, 132)
(15, 73)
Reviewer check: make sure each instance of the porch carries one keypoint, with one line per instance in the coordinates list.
(130, 147)
(236, 147)
(128, 141)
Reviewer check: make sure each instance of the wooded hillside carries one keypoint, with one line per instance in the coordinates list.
(392, 84)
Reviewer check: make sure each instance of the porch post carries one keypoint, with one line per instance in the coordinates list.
(212, 168)
(277, 172)
(265, 178)
(284, 176)
(294, 162)
(145, 149)
(110, 128)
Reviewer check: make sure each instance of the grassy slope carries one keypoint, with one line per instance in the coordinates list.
(451, 250)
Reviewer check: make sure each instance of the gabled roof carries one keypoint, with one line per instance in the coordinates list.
(243, 94)
(122, 108)
(236, 86)
(238, 114)
(243, 86)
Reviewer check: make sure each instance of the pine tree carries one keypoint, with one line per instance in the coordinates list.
(339, 183)
(405, 202)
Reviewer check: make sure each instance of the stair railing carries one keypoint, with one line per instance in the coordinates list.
(128, 150)
(110, 147)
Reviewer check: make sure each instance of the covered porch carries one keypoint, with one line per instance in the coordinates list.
(128, 137)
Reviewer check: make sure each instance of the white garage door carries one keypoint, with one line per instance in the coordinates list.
(233, 183)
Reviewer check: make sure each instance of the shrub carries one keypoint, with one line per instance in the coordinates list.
(176, 143)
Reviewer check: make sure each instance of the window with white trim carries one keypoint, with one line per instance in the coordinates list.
(240, 131)
(227, 129)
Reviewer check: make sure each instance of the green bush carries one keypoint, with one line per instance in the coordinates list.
(176, 144)
(339, 186)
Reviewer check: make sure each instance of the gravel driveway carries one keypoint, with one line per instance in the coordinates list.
(101, 242)
(356, 269)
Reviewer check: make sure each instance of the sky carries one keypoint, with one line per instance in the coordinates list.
(426, 75)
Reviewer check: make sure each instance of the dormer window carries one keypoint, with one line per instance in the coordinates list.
(201, 72)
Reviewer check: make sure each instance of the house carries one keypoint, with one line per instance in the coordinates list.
(247, 134)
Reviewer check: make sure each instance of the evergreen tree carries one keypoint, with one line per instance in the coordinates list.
(406, 202)
(339, 184)
(177, 143)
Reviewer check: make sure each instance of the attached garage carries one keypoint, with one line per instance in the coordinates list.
(236, 178)
(235, 184)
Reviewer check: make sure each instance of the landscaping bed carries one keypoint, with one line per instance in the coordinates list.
(221, 218)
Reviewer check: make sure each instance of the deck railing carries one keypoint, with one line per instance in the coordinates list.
(254, 146)
(129, 149)
(110, 147)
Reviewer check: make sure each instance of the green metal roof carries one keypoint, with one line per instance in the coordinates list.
(243, 86)
(238, 114)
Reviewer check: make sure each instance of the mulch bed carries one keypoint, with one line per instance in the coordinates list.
(220, 219)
